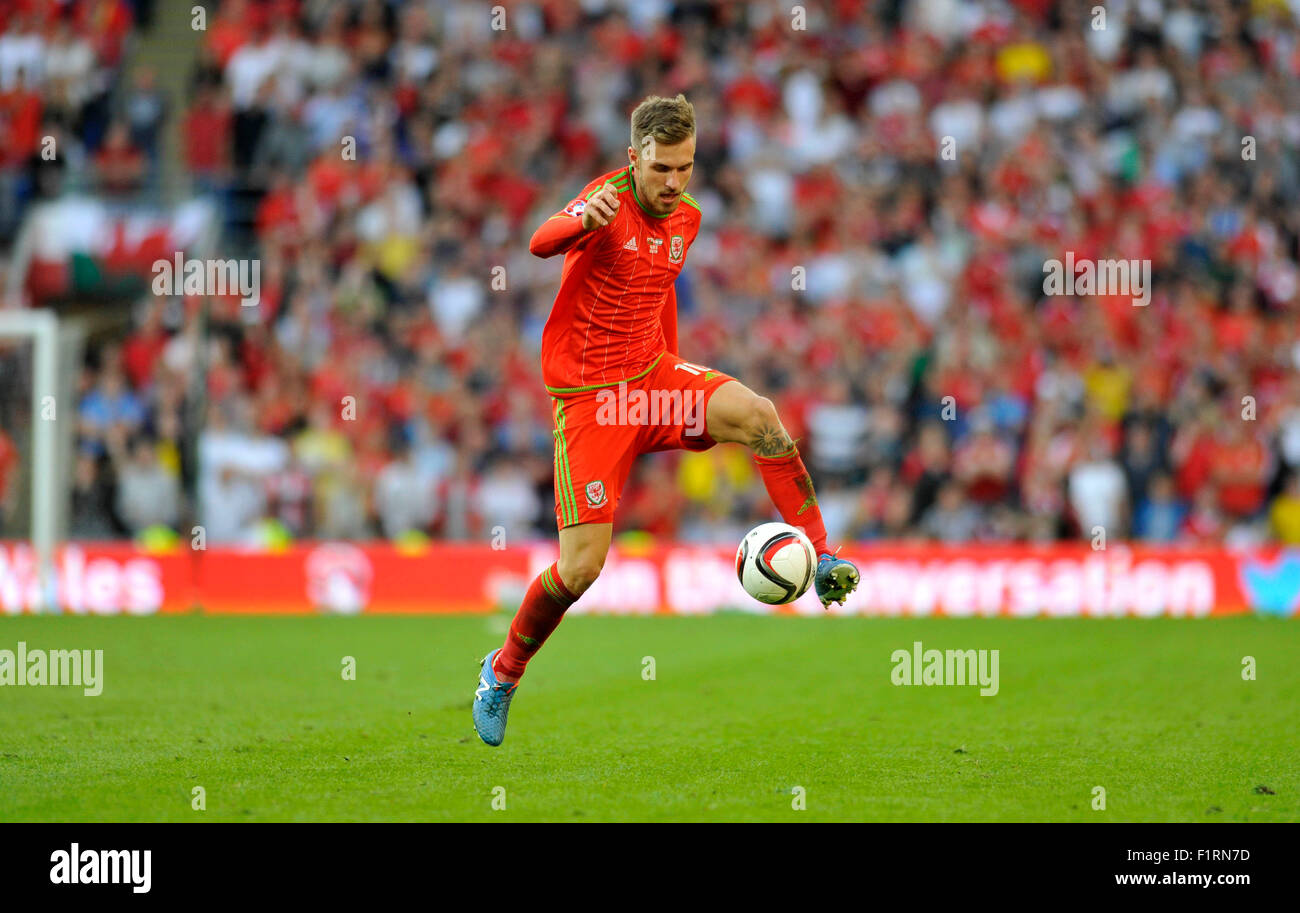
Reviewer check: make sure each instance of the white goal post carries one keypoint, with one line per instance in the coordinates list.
(42, 328)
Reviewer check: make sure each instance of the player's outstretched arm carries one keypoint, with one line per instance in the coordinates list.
(565, 229)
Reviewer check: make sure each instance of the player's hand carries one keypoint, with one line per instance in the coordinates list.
(601, 208)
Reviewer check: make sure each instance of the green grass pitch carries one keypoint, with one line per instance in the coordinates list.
(741, 711)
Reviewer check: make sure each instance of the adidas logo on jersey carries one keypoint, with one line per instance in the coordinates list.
(630, 245)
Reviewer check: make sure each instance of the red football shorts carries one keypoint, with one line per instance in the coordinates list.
(598, 433)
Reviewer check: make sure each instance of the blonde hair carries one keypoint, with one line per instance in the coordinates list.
(668, 120)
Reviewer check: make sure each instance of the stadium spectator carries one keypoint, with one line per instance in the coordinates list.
(110, 407)
(147, 494)
(951, 518)
(1284, 515)
(205, 132)
(120, 165)
(144, 108)
(91, 514)
(1159, 515)
(234, 465)
(1099, 494)
(404, 495)
(1242, 468)
(508, 498)
(983, 463)
(9, 474)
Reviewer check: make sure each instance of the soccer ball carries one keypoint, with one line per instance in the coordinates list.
(775, 563)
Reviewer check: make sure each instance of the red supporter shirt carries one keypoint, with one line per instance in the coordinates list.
(8, 464)
(1244, 463)
(140, 353)
(616, 311)
(20, 121)
(207, 137)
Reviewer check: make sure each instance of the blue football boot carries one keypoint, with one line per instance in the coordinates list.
(492, 702)
(836, 579)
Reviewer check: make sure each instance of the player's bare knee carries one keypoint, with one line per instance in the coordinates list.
(761, 419)
(579, 578)
(580, 573)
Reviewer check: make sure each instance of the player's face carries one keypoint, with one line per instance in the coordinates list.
(662, 173)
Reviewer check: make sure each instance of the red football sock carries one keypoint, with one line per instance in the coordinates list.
(544, 605)
(791, 490)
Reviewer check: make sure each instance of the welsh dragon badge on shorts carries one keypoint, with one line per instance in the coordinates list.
(595, 494)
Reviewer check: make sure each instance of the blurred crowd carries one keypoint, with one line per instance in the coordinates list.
(881, 185)
(67, 112)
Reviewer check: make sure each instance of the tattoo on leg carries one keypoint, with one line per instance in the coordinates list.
(770, 441)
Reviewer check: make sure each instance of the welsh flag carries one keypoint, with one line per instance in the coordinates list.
(83, 246)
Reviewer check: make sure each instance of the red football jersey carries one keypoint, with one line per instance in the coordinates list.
(616, 312)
